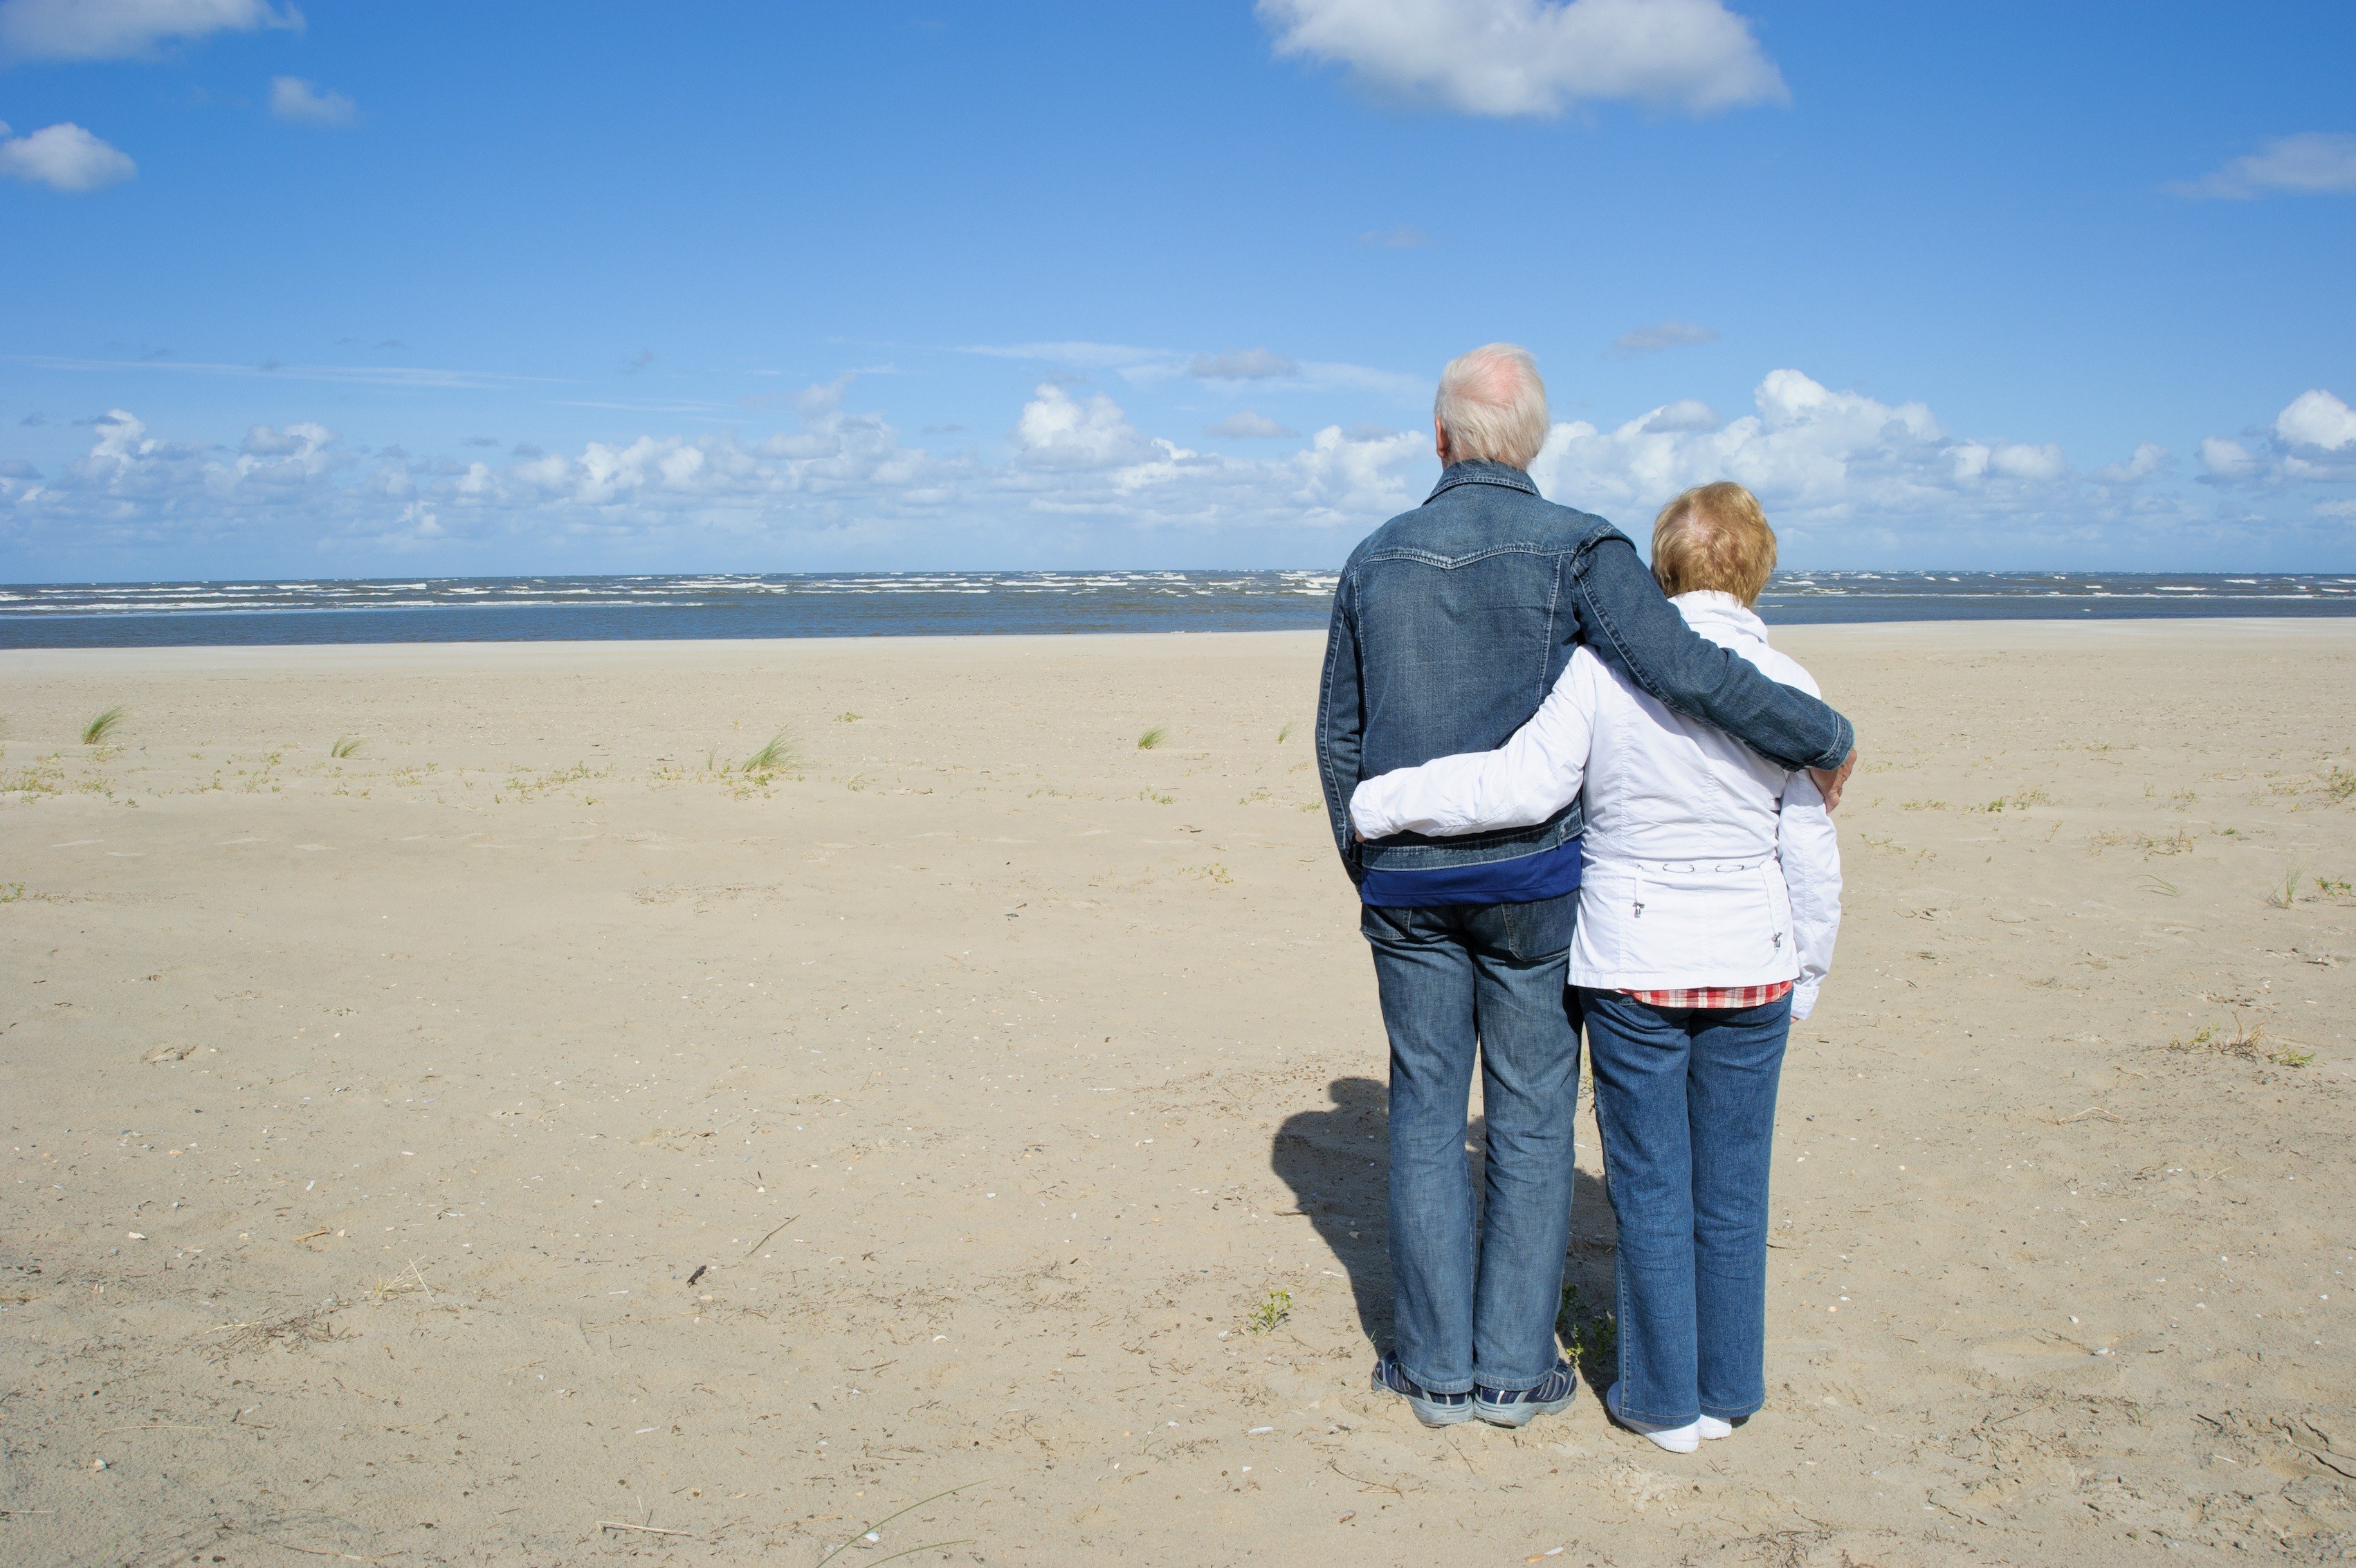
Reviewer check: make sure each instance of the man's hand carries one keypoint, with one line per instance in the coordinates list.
(1829, 781)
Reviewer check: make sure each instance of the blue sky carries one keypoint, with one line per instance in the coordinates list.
(371, 290)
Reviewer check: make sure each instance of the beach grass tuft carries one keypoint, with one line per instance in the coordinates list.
(2282, 898)
(2341, 785)
(1152, 737)
(1270, 1313)
(781, 753)
(1286, 733)
(346, 746)
(96, 732)
(1592, 1339)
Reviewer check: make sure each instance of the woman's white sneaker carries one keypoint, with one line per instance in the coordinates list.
(1712, 1429)
(1675, 1439)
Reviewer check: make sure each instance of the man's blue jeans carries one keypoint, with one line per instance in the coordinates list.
(1494, 973)
(1687, 1099)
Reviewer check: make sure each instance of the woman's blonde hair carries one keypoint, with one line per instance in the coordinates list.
(1714, 538)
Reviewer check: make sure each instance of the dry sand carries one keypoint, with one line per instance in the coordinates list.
(367, 1121)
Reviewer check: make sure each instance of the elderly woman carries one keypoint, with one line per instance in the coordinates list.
(1709, 899)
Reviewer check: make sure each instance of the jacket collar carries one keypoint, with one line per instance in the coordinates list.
(1481, 471)
(1707, 608)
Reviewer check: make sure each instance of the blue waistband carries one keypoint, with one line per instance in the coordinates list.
(1526, 879)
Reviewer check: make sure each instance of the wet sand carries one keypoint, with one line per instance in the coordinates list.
(535, 1137)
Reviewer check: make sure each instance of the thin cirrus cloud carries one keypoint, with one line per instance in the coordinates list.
(360, 375)
(1244, 365)
(126, 29)
(1659, 334)
(1244, 425)
(1402, 238)
(2313, 162)
(63, 156)
(1512, 58)
(1148, 366)
(301, 103)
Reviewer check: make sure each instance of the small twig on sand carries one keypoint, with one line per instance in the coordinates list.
(887, 1518)
(764, 1241)
(315, 1551)
(1371, 1486)
(2090, 1111)
(155, 1426)
(641, 1528)
(699, 1269)
(312, 1235)
(936, 1546)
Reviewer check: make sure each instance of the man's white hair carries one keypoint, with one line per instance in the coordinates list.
(1493, 405)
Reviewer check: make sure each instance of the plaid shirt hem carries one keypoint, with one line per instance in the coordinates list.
(1714, 997)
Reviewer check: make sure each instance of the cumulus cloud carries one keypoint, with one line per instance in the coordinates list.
(1242, 365)
(1511, 58)
(842, 482)
(1059, 431)
(1684, 415)
(1244, 425)
(2312, 439)
(2149, 458)
(2317, 419)
(125, 29)
(291, 98)
(2224, 459)
(63, 156)
(1813, 454)
(2313, 162)
(1840, 471)
(1662, 335)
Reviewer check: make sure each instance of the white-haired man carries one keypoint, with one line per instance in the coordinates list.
(1451, 623)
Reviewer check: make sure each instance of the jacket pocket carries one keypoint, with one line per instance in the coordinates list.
(1779, 910)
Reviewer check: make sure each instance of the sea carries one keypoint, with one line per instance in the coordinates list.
(942, 603)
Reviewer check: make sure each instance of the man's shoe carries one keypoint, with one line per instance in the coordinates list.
(1514, 1407)
(1431, 1409)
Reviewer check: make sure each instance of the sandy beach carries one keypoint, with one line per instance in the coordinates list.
(537, 1136)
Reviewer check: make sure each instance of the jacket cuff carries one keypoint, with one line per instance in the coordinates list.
(1803, 999)
(1843, 742)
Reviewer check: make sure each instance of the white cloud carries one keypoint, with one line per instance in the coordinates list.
(2222, 460)
(1244, 425)
(1509, 58)
(1846, 476)
(1057, 430)
(1402, 238)
(2316, 418)
(63, 156)
(2312, 163)
(125, 29)
(291, 98)
(2313, 440)
(2149, 458)
(1687, 414)
(1660, 334)
(1243, 365)
(1815, 456)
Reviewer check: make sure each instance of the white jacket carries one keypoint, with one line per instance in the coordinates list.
(1706, 865)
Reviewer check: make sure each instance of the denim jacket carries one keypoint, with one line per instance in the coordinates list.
(1453, 621)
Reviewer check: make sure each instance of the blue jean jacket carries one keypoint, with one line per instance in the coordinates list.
(1453, 621)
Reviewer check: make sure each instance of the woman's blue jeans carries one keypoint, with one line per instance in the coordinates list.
(1686, 1100)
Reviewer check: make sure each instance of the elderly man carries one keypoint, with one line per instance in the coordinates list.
(1451, 623)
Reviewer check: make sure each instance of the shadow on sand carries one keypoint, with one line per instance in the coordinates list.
(1336, 1162)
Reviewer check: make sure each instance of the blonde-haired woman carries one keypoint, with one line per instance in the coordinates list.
(1708, 904)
